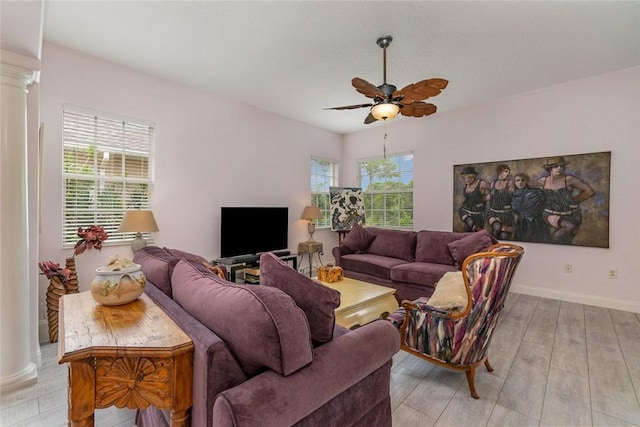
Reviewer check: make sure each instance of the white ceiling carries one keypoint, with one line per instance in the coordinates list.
(297, 58)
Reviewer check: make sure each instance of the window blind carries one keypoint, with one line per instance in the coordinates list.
(324, 174)
(107, 169)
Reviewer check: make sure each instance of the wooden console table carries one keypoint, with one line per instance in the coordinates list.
(131, 355)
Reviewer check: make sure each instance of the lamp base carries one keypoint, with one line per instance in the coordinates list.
(138, 243)
(311, 228)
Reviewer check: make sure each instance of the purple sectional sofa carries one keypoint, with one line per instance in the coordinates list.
(262, 359)
(409, 261)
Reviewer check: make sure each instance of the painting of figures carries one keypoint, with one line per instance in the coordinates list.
(560, 200)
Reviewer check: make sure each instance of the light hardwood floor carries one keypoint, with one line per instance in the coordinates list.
(555, 364)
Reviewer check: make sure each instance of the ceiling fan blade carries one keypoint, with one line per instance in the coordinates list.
(370, 119)
(349, 107)
(439, 83)
(418, 109)
(421, 90)
(367, 89)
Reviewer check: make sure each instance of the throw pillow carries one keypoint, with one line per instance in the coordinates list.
(474, 242)
(156, 265)
(358, 239)
(450, 292)
(218, 270)
(318, 302)
(262, 326)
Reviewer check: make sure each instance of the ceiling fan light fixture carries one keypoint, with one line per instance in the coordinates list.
(385, 111)
(387, 100)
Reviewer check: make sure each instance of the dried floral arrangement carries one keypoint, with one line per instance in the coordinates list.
(91, 237)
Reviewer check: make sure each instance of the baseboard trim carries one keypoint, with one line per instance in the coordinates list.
(28, 376)
(575, 297)
(43, 331)
(36, 357)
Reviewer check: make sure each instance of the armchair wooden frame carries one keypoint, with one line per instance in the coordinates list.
(487, 276)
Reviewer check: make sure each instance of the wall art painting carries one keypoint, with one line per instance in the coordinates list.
(347, 207)
(560, 200)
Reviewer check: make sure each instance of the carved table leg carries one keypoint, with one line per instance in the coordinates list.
(82, 393)
(183, 389)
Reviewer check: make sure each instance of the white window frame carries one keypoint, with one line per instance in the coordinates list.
(321, 181)
(377, 213)
(110, 159)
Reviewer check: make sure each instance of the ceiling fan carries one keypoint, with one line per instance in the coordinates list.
(388, 102)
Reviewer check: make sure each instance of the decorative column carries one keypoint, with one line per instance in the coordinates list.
(16, 368)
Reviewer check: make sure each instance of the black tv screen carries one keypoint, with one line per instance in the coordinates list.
(252, 230)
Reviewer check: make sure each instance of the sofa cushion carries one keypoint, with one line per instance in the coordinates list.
(358, 239)
(474, 242)
(420, 273)
(157, 265)
(393, 243)
(202, 268)
(219, 270)
(431, 246)
(374, 265)
(450, 293)
(182, 254)
(318, 301)
(261, 325)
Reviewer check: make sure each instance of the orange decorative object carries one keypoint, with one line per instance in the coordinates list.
(328, 273)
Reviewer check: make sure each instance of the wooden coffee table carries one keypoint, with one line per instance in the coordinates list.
(362, 302)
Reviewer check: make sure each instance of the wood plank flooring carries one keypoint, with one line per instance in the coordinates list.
(555, 364)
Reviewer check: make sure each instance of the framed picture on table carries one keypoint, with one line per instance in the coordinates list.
(347, 208)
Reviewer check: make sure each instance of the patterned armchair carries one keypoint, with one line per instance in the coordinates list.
(459, 339)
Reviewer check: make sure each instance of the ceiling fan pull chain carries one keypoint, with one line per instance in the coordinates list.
(384, 143)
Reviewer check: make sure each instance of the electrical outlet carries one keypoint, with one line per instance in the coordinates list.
(613, 274)
(568, 268)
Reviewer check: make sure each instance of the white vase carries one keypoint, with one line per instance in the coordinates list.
(118, 287)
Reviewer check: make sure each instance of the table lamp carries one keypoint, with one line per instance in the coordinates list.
(311, 213)
(138, 221)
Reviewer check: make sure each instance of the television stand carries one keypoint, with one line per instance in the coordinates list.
(254, 262)
(239, 259)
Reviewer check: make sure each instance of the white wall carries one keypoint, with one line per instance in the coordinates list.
(210, 152)
(601, 113)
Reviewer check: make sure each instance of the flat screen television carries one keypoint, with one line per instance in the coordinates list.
(252, 230)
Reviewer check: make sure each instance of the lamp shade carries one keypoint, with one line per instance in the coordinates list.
(385, 111)
(138, 221)
(311, 213)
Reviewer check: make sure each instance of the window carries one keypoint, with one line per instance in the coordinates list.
(324, 174)
(107, 169)
(387, 185)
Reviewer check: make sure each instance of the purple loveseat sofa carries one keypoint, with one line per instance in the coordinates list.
(255, 363)
(409, 261)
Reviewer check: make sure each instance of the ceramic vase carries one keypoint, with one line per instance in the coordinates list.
(118, 287)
